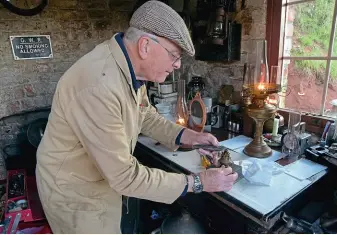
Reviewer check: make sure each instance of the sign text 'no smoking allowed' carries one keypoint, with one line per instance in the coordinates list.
(31, 47)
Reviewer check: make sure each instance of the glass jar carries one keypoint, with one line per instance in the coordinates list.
(181, 113)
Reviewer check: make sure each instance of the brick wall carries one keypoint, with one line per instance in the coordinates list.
(75, 28)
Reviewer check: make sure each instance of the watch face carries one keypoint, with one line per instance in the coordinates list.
(197, 187)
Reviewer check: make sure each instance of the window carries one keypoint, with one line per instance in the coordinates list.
(301, 37)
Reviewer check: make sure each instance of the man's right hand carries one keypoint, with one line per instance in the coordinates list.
(218, 179)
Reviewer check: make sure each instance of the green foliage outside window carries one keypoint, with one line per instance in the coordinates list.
(311, 37)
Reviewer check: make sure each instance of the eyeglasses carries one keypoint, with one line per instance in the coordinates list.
(174, 58)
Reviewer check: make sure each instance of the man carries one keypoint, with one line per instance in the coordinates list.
(84, 161)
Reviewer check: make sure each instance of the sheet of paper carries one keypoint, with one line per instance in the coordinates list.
(236, 142)
(303, 169)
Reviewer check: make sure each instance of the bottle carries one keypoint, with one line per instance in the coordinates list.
(227, 116)
(181, 113)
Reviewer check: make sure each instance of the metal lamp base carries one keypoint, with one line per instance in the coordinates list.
(258, 149)
(260, 113)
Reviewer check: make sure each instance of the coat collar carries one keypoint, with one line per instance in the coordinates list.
(121, 56)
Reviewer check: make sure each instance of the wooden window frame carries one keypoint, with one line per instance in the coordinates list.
(275, 26)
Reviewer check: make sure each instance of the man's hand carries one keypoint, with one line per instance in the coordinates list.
(218, 179)
(215, 179)
(190, 137)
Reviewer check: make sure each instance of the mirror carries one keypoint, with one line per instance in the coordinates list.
(197, 117)
(196, 113)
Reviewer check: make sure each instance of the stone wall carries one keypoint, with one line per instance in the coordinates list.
(75, 27)
(253, 20)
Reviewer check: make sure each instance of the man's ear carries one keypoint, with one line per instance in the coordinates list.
(144, 47)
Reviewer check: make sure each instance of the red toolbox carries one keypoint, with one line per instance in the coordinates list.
(23, 207)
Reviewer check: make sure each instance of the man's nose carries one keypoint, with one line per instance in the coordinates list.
(177, 64)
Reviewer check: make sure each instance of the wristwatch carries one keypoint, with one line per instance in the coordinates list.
(197, 185)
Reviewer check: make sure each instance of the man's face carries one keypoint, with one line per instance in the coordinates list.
(163, 57)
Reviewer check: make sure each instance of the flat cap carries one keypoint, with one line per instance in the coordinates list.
(157, 18)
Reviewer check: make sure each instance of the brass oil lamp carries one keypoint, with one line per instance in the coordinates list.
(256, 88)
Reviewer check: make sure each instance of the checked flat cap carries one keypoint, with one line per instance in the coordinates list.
(157, 18)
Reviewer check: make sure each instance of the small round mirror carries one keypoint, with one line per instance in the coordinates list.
(197, 113)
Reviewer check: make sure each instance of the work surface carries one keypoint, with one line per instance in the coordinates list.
(261, 199)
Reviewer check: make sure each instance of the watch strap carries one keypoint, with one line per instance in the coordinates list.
(186, 186)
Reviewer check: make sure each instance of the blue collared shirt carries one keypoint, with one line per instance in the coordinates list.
(135, 83)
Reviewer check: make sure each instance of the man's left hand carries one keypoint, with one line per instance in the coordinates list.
(190, 137)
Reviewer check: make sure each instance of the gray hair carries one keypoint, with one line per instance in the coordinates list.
(132, 34)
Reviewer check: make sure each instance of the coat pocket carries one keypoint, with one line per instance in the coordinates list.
(67, 200)
(91, 188)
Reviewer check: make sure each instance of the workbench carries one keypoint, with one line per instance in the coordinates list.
(245, 208)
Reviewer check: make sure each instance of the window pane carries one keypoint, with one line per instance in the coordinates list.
(308, 28)
(332, 91)
(304, 82)
(334, 49)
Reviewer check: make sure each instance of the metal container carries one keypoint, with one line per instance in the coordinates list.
(183, 224)
(166, 87)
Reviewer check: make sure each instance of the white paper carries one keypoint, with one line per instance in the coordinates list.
(236, 142)
(259, 172)
(303, 169)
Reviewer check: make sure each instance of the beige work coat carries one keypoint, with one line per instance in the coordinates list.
(84, 161)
